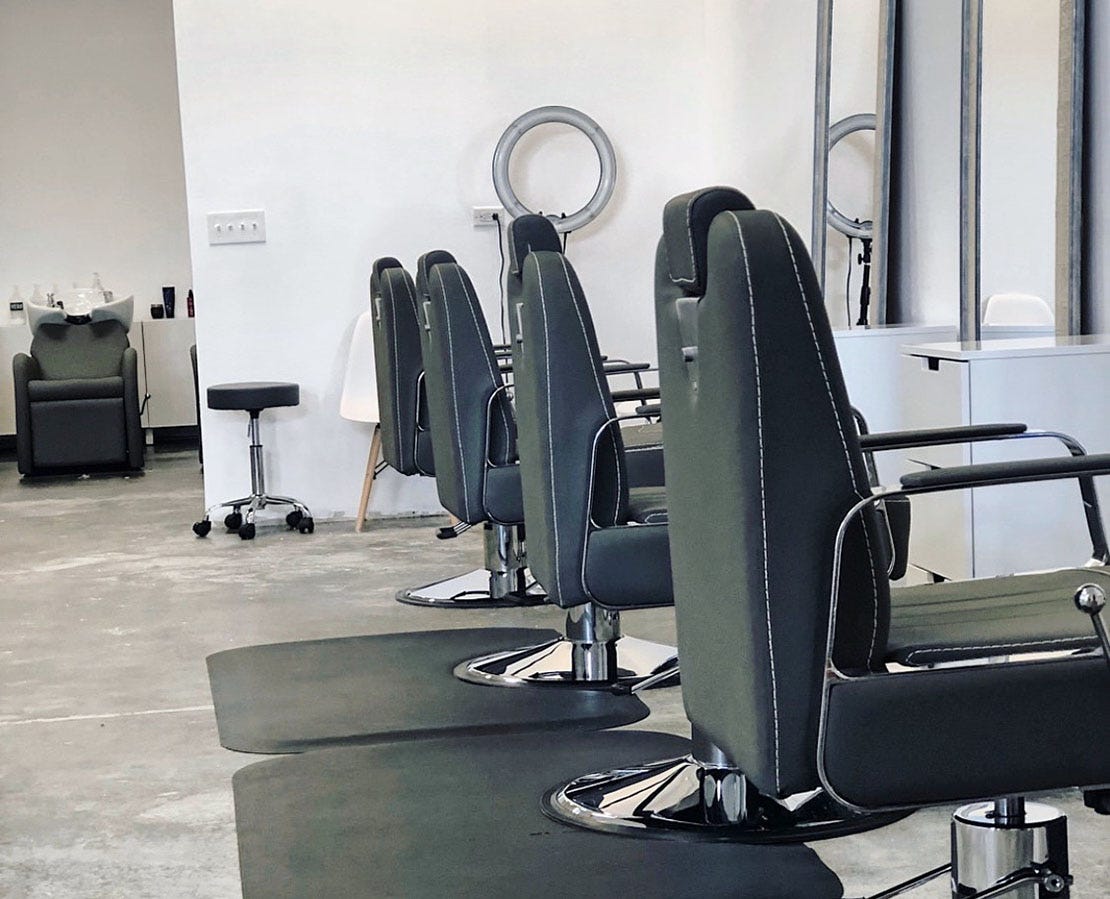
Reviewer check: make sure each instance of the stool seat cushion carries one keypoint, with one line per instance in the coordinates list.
(253, 395)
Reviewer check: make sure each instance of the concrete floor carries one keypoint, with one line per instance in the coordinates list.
(112, 780)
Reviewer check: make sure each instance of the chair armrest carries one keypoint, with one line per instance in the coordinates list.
(650, 410)
(635, 393)
(620, 367)
(25, 368)
(893, 440)
(1021, 471)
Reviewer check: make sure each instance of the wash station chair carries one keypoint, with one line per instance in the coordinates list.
(804, 676)
(77, 393)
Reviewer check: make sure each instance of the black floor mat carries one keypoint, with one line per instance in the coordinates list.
(461, 818)
(290, 697)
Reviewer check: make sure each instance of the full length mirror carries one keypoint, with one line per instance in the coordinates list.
(851, 193)
(1020, 66)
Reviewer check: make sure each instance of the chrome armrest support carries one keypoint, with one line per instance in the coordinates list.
(832, 673)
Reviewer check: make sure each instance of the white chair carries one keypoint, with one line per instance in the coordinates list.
(1017, 309)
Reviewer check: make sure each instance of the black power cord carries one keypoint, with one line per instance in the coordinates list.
(501, 276)
(848, 286)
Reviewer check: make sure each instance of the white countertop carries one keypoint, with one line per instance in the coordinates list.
(1011, 348)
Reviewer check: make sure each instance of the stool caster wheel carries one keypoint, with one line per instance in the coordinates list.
(293, 519)
(306, 525)
(201, 528)
(233, 521)
(246, 531)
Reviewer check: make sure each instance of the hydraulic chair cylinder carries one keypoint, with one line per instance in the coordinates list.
(1010, 840)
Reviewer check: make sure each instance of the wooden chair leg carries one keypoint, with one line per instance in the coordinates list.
(368, 479)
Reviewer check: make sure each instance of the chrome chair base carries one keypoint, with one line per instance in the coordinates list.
(1007, 847)
(476, 589)
(553, 664)
(682, 799)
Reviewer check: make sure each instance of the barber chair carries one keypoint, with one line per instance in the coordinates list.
(77, 393)
(809, 685)
(597, 544)
(642, 440)
(406, 442)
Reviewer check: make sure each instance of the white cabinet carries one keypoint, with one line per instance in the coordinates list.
(1047, 383)
(165, 371)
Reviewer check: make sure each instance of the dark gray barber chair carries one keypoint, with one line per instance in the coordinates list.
(801, 671)
(595, 543)
(407, 442)
(77, 399)
(642, 441)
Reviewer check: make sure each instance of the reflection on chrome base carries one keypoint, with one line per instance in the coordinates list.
(682, 799)
(562, 662)
(474, 590)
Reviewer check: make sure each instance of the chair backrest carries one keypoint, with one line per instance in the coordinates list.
(562, 402)
(397, 363)
(461, 377)
(762, 461)
(526, 234)
(1017, 309)
(90, 349)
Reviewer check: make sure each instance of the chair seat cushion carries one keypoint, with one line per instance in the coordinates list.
(643, 454)
(629, 566)
(962, 620)
(250, 395)
(503, 499)
(647, 505)
(425, 458)
(75, 389)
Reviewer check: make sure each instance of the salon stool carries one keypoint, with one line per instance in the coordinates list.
(252, 397)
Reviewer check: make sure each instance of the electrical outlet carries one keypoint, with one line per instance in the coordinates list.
(248, 226)
(484, 215)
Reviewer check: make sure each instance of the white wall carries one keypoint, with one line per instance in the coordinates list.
(367, 129)
(91, 175)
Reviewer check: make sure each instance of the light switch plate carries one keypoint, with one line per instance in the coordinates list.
(247, 226)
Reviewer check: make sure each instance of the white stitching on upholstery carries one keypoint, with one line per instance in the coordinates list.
(550, 443)
(406, 279)
(914, 652)
(455, 397)
(762, 497)
(843, 443)
(602, 395)
(472, 301)
(396, 368)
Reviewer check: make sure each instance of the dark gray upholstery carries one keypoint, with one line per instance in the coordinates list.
(399, 367)
(990, 616)
(253, 395)
(469, 413)
(77, 399)
(581, 545)
(760, 434)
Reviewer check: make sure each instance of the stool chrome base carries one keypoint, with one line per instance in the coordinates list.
(299, 519)
(684, 799)
(242, 522)
(592, 655)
